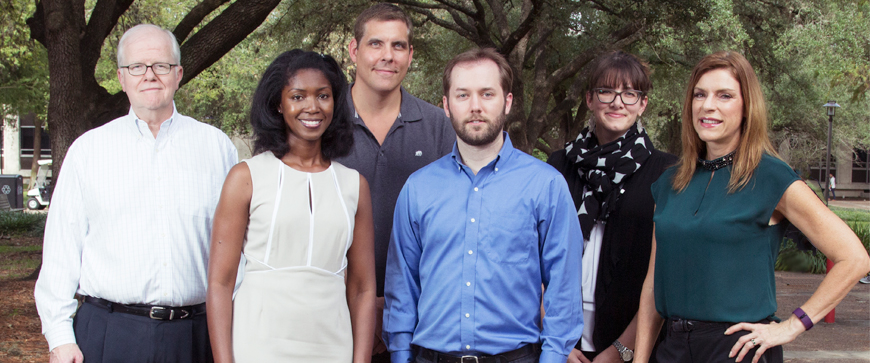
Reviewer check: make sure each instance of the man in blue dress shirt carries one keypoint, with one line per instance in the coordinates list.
(479, 236)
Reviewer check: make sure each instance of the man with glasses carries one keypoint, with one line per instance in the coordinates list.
(130, 222)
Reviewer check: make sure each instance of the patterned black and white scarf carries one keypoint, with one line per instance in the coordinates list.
(604, 169)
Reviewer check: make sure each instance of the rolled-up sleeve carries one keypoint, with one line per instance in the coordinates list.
(65, 231)
(402, 280)
(561, 254)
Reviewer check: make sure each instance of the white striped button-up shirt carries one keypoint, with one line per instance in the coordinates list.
(130, 218)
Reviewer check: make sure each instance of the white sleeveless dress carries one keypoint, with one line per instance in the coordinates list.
(291, 304)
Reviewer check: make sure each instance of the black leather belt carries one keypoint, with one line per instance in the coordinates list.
(686, 325)
(505, 357)
(151, 311)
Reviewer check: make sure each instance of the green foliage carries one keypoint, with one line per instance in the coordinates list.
(23, 62)
(805, 52)
(792, 259)
(22, 224)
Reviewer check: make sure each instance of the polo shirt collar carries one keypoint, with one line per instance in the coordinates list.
(409, 111)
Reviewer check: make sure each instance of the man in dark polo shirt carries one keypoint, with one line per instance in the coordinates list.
(395, 133)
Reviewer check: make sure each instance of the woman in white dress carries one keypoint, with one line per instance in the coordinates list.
(301, 225)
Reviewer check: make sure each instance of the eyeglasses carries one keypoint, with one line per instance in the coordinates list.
(607, 95)
(138, 69)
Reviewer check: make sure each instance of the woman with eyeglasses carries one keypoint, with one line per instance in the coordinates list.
(609, 169)
(720, 217)
(303, 225)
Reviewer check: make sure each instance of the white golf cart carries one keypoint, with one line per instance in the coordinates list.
(39, 194)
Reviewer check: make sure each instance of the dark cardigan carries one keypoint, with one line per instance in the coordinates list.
(625, 251)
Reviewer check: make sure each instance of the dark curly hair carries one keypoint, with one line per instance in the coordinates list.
(270, 130)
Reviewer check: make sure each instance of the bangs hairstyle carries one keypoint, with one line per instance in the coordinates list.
(476, 55)
(270, 130)
(381, 12)
(753, 128)
(617, 69)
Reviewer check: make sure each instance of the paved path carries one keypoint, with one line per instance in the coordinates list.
(847, 340)
(851, 203)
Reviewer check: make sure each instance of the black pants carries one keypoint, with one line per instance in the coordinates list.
(382, 357)
(706, 343)
(104, 336)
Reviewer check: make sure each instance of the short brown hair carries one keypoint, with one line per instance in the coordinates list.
(381, 12)
(753, 129)
(618, 68)
(477, 55)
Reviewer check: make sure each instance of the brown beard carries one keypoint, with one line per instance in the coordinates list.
(491, 130)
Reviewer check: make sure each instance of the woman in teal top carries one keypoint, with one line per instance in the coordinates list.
(721, 213)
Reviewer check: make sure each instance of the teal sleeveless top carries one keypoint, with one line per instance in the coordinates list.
(715, 251)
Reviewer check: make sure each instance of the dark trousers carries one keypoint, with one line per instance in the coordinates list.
(381, 358)
(532, 357)
(706, 343)
(105, 336)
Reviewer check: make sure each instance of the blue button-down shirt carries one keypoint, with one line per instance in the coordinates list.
(468, 256)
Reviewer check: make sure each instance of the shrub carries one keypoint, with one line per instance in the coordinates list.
(792, 259)
(22, 224)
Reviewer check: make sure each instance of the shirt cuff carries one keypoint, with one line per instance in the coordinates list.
(400, 356)
(549, 356)
(60, 335)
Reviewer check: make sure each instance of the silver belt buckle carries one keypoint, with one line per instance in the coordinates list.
(462, 359)
(159, 308)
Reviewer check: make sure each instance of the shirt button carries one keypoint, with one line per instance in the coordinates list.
(467, 347)
(467, 315)
(470, 252)
(468, 284)
(472, 220)
(475, 189)
(496, 169)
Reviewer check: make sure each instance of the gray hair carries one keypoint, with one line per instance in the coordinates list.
(176, 50)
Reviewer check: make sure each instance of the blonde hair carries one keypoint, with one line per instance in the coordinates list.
(754, 141)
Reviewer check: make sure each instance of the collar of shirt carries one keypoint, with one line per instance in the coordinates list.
(409, 111)
(141, 127)
(504, 157)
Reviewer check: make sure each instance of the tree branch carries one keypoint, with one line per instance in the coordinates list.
(523, 29)
(444, 5)
(500, 19)
(36, 23)
(442, 23)
(194, 17)
(482, 27)
(468, 28)
(617, 40)
(600, 6)
(103, 19)
(220, 35)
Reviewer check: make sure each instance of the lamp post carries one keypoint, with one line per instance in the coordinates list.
(831, 106)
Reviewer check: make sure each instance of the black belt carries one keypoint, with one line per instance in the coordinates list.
(505, 357)
(686, 325)
(151, 311)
